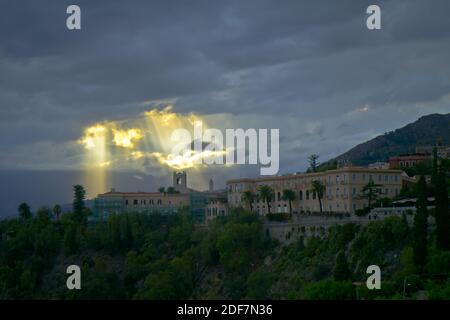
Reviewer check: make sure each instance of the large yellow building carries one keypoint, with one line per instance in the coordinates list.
(342, 193)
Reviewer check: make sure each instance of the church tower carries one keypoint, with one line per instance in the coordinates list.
(180, 181)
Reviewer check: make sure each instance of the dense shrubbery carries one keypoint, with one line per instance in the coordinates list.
(131, 256)
(137, 256)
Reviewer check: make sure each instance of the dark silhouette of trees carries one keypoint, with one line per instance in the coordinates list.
(78, 205)
(266, 194)
(442, 214)
(289, 195)
(341, 270)
(420, 250)
(57, 211)
(248, 197)
(24, 211)
(312, 161)
(319, 188)
(370, 192)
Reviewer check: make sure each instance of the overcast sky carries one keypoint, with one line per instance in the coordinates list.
(310, 68)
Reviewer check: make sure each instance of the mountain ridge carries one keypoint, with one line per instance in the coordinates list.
(427, 130)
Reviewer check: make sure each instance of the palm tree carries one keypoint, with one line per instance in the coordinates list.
(249, 197)
(370, 192)
(24, 211)
(319, 189)
(289, 195)
(57, 211)
(266, 194)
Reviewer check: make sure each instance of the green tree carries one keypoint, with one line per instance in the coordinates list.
(171, 190)
(258, 285)
(79, 208)
(24, 211)
(71, 239)
(341, 269)
(43, 214)
(57, 211)
(248, 197)
(289, 195)
(434, 172)
(266, 194)
(161, 189)
(420, 251)
(312, 160)
(319, 188)
(370, 192)
(330, 290)
(442, 214)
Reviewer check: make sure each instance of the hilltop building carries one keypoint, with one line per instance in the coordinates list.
(378, 165)
(408, 160)
(166, 203)
(342, 193)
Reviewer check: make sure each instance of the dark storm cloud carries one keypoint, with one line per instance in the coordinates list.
(309, 67)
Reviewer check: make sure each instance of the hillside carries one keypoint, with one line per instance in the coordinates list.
(136, 256)
(427, 130)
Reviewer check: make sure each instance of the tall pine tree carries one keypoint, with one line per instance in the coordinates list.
(420, 251)
(434, 173)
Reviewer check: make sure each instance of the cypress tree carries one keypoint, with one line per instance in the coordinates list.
(79, 209)
(420, 251)
(434, 173)
(442, 211)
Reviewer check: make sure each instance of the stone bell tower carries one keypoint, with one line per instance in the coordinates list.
(180, 181)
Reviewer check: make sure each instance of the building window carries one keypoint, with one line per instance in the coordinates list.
(279, 196)
(307, 194)
(300, 195)
(135, 202)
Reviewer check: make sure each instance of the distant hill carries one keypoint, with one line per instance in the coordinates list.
(427, 130)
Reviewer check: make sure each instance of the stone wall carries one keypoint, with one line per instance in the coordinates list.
(318, 225)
